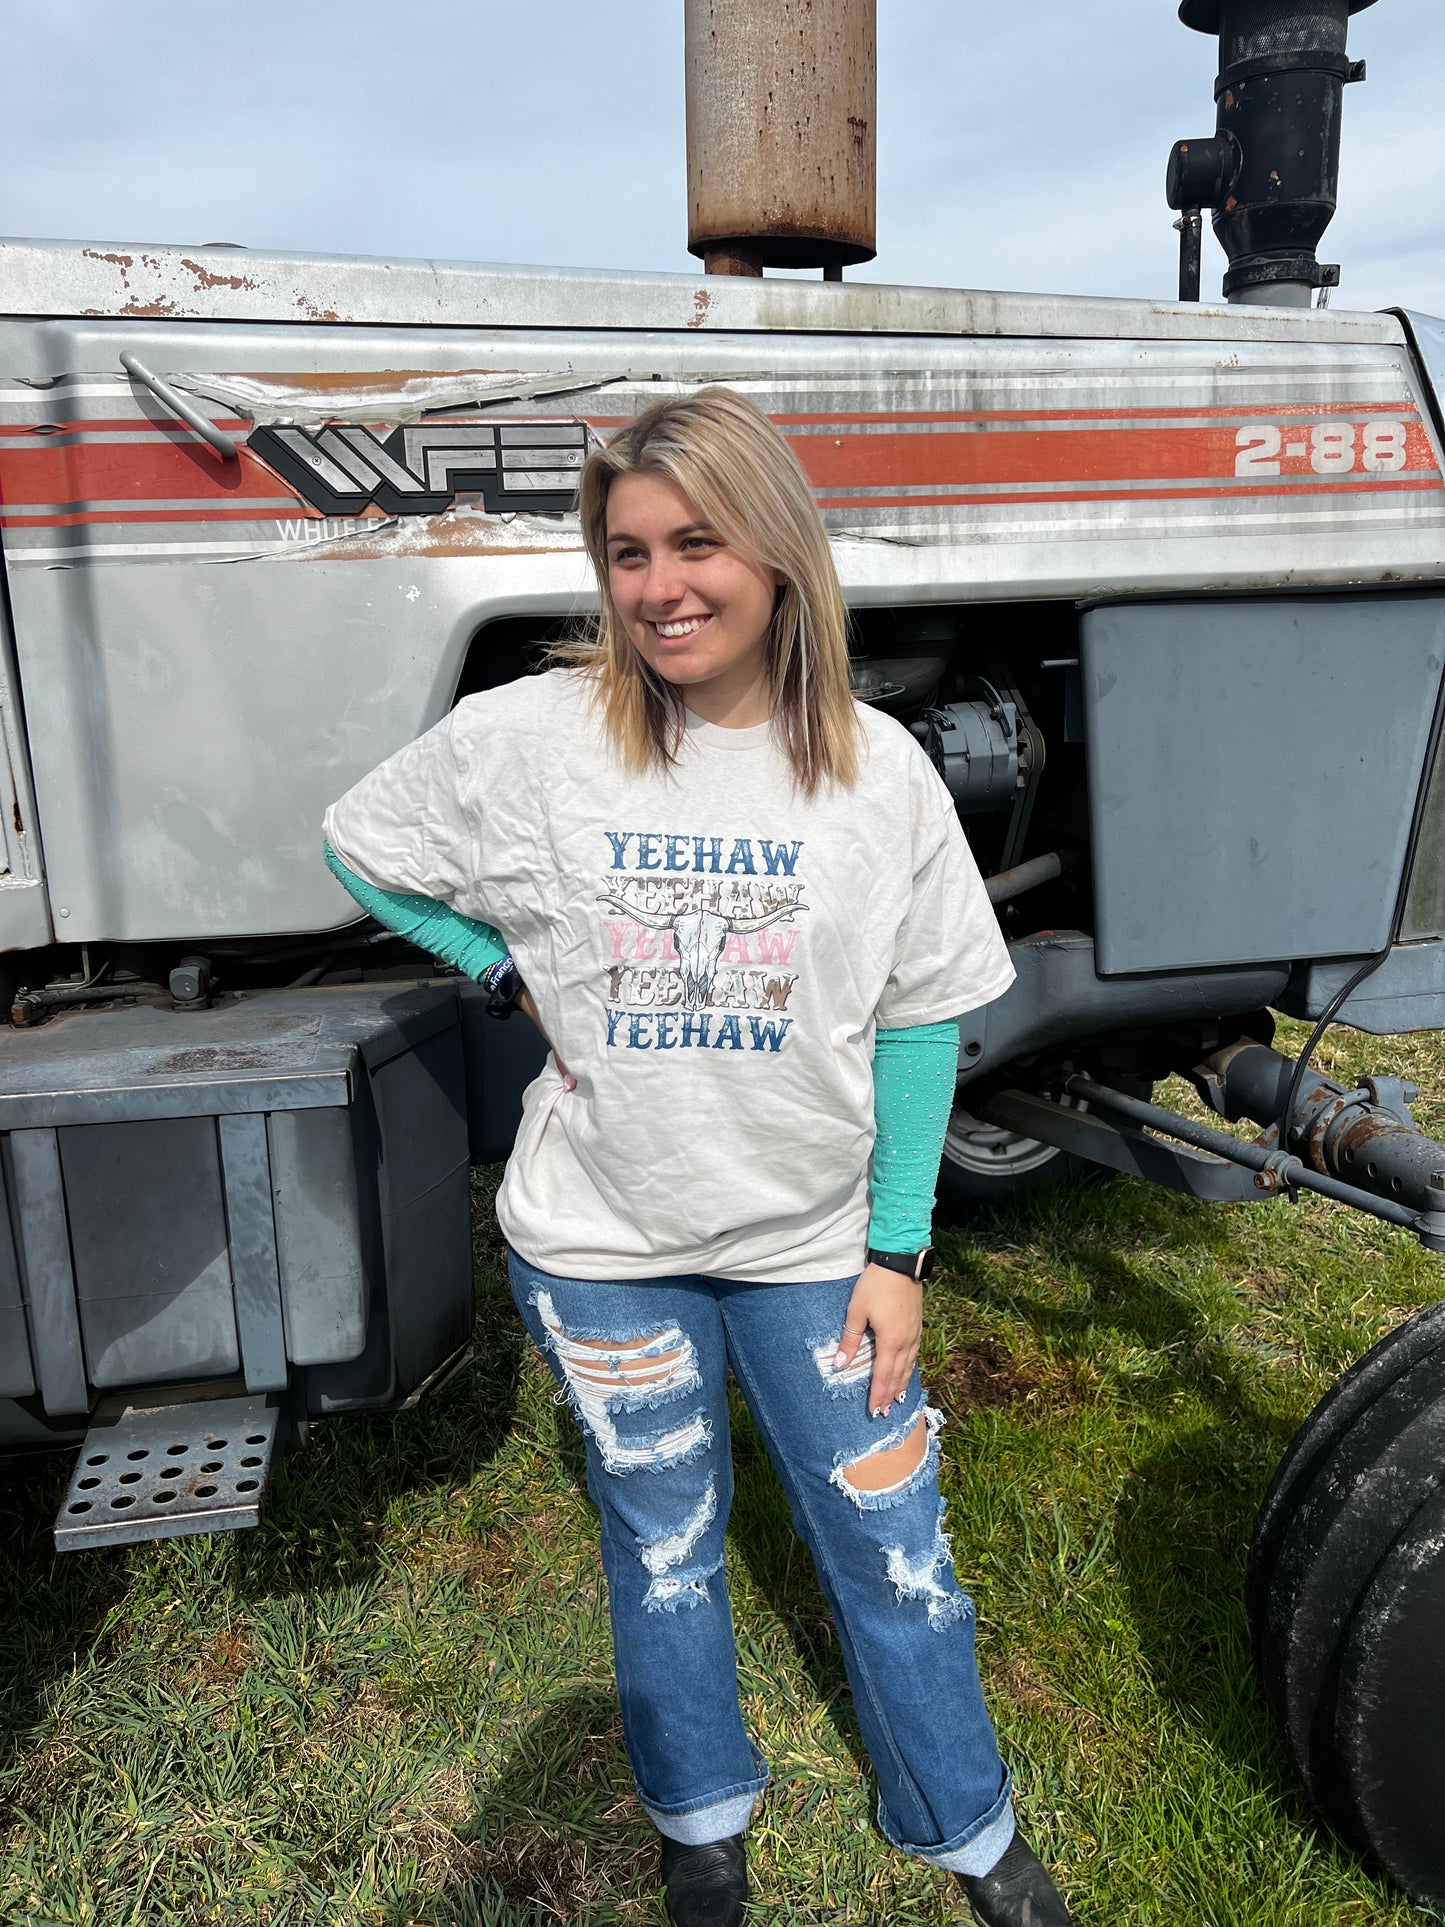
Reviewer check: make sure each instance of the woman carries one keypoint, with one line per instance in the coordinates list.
(747, 921)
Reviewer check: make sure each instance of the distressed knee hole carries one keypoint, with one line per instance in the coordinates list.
(675, 1577)
(890, 1465)
(680, 1589)
(929, 1579)
(675, 1548)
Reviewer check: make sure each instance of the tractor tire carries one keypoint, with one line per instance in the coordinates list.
(985, 1166)
(1397, 1353)
(1344, 1523)
(1390, 1725)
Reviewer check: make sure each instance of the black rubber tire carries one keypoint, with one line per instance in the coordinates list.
(1390, 1724)
(972, 1177)
(1307, 1452)
(1344, 1524)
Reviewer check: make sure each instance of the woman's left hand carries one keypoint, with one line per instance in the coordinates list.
(891, 1306)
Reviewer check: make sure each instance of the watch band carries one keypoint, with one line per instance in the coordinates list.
(912, 1264)
(503, 984)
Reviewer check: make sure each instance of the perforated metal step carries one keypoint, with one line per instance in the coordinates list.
(159, 1472)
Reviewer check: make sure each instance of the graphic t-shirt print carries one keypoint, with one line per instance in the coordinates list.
(700, 935)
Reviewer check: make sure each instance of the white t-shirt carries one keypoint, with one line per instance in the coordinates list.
(710, 951)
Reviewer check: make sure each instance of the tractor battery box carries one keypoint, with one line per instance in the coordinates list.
(270, 1189)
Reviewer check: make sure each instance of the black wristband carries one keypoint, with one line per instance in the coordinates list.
(912, 1264)
(503, 985)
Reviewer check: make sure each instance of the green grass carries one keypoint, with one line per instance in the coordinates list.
(393, 1703)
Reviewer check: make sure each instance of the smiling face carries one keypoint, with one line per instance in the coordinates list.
(696, 609)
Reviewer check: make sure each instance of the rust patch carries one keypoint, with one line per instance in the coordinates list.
(206, 278)
(159, 310)
(434, 536)
(381, 381)
(220, 1057)
(701, 302)
(313, 313)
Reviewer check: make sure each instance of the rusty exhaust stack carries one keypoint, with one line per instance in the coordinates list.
(781, 148)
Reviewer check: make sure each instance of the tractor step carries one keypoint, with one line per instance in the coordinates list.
(161, 1471)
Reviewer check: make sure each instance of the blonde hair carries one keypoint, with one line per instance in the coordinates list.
(729, 460)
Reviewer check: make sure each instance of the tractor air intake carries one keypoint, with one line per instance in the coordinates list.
(1271, 171)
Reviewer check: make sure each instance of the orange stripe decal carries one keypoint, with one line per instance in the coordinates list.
(904, 460)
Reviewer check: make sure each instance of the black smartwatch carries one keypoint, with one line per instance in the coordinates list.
(503, 985)
(913, 1264)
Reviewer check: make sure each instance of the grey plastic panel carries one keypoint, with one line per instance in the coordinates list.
(1406, 991)
(426, 1212)
(17, 1374)
(1253, 769)
(278, 1050)
(32, 1177)
(1425, 903)
(502, 1058)
(255, 1274)
(148, 1233)
(1427, 333)
(318, 1235)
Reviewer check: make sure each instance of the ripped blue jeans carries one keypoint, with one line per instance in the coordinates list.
(651, 1401)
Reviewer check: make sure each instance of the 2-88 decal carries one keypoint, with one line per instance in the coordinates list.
(1330, 448)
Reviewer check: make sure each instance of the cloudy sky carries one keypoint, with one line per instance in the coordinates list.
(1020, 146)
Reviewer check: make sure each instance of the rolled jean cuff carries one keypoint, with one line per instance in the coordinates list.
(717, 1816)
(975, 1851)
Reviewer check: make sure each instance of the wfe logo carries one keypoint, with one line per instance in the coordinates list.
(420, 470)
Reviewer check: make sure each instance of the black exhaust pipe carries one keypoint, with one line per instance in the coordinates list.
(1271, 171)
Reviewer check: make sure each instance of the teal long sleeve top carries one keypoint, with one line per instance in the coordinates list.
(914, 1069)
(468, 945)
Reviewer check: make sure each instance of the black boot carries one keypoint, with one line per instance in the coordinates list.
(1017, 1893)
(706, 1886)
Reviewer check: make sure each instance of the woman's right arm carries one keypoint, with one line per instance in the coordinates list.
(468, 944)
(464, 942)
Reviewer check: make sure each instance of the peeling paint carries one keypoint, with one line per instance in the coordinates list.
(313, 313)
(70, 278)
(159, 310)
(461, 532)
(207, 278)
(400, 396)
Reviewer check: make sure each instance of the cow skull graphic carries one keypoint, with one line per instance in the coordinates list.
(699, 936)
